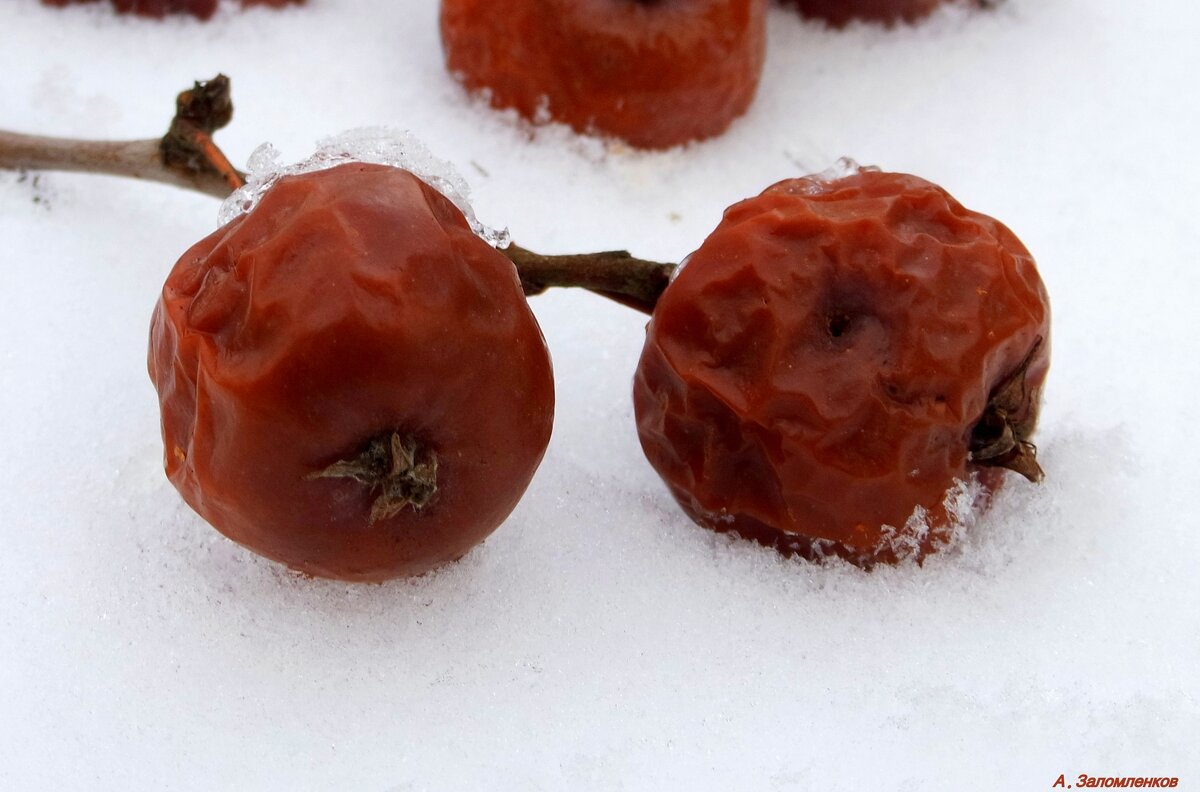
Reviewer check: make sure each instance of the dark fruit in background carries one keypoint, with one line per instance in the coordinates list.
(160, 8)
(351, 381)
(655, 73)
(841, 12)
(834, 357)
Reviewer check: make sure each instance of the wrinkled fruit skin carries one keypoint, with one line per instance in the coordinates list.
(815, 371)
(202, 9)
(653, 73)
(351, 304)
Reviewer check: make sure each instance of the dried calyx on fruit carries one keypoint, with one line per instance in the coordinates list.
(845, 367)
(652, 73)
(202, 9)
(351, 380)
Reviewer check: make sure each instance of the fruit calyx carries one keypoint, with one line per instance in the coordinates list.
(389, 465)
(1001, 436)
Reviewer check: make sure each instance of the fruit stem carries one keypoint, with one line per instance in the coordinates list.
(633, 282)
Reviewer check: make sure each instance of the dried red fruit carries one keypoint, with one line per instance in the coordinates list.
(160, 8)
(834, 357)
(351, 380)
(655, 73)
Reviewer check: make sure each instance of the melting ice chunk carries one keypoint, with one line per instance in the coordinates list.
(378, 145)
(819, 183)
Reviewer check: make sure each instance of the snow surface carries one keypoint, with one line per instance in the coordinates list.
(599, 640)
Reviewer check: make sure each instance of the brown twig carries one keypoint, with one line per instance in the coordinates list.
(188, 144)
(137, 159)
(185, 157)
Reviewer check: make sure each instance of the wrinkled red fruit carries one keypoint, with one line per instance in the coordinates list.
(655, 73)
(834, 357)
(351, 380)
(160, 8)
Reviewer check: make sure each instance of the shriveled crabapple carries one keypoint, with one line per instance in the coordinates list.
(351, 380)
(839, 361)
(202, 9)
(654, 73)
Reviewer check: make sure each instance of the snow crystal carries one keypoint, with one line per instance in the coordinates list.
(963, 503)
(377, 145)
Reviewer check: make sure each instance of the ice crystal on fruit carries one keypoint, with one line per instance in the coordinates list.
(962, 504)
(818, 183)
(845, 166)
(377, 145)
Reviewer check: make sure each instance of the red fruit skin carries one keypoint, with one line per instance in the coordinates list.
(814, 371)
(655, 74)
(203, 9)
(350, 303)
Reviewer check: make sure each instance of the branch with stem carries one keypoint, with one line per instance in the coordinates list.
(185, 157)
(188, 157)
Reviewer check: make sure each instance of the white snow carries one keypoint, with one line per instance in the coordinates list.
(599, 639)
